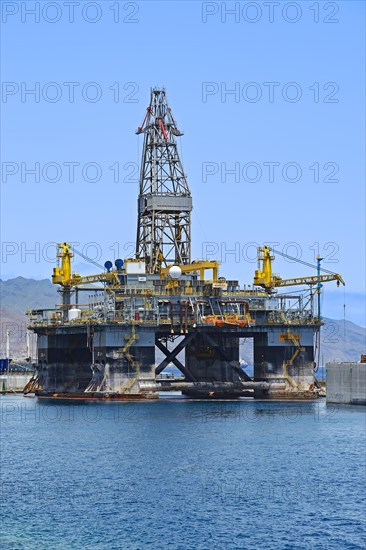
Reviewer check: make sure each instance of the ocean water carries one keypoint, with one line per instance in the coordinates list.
(181, 474)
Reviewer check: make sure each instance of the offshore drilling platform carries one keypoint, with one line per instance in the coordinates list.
(161, 299)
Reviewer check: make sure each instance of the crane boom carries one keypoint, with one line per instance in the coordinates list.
(266, 279)
(77, 280)
(310, 280)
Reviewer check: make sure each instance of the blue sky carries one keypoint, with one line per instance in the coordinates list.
(312, 129)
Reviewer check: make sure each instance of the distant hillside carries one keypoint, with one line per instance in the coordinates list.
(340, 341)
(20, 294)
(16, 297)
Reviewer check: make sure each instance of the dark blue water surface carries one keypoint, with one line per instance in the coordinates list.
(181, 474)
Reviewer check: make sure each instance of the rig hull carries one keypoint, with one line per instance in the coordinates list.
(118, 361)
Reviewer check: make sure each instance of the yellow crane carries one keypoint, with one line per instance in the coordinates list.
(265, 278)
(63, 276)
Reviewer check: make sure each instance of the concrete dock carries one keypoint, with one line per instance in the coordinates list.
(346, 383)
(14, 382)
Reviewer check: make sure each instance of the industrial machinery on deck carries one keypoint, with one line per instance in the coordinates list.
(105, 346)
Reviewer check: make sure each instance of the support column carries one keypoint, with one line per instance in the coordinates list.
(211, 358)
(284, 357)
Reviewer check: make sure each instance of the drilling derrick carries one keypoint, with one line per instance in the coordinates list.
(164, 202)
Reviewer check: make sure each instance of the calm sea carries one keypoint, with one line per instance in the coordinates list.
(181, 474)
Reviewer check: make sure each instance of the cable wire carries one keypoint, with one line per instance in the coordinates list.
(88, 259)
(303, 262)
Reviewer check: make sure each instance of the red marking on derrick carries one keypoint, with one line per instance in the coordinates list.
(162, 127)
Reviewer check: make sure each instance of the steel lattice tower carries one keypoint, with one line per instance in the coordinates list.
(165, 202)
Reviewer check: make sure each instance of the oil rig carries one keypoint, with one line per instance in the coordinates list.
(104, 347)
